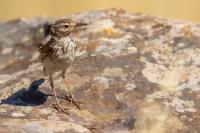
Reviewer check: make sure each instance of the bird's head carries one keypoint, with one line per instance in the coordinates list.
(63, 27)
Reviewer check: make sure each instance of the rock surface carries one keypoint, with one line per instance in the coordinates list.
(135, 74)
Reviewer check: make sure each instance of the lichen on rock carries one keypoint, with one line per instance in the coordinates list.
(133, 73)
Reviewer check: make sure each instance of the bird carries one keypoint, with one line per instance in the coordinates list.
(58, 54)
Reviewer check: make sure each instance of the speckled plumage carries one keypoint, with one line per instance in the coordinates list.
(59, 53)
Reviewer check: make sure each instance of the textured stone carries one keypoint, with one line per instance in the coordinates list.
(133, 73)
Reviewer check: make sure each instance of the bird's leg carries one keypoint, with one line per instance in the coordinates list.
(70, 93)
(59, 107)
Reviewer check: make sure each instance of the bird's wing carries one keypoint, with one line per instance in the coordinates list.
(46, 50)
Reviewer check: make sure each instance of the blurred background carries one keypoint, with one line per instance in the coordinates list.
(178, 9)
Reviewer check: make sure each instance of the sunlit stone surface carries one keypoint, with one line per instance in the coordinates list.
(134, 73)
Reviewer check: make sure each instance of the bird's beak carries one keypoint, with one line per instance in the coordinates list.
(77, 25)
(81, 24)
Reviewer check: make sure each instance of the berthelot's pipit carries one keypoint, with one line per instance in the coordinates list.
(59, 53)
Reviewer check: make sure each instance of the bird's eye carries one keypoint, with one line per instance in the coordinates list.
(66, 26)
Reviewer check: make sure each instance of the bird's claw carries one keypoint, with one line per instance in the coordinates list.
(73, 101)
(59, 108)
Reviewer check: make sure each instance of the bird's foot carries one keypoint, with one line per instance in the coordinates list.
(73, 101)
(59, 108)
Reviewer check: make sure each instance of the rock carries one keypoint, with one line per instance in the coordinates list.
(42, 126)
(17, 114)
(113, 72)
(133, 73)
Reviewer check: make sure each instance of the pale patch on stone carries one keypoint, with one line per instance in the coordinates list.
(123, 130)
(130, 86)
(132, 16)
(196, 57)
(176, 29)
(120, 41)
(194, 84)
(102, 80)
(4, 78)
(183, 106)
(2, 110)
(131, 50)
(53, 117)
(26, 109)
(80, 54)
(168, 78)
(155, 118)
(158, 95)
(113, 72)
(16, 114)
(35, 56)
(6, 51)
(43, 126)
(100, 25)
(90, 16)
(159, 50)
(45, 111)
(119, 96)
(62, 126)
(192, 81)
(124, 78)
(114, 47)
(4, 65)
(25, 39)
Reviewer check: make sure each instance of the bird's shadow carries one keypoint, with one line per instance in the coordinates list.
(30, 96)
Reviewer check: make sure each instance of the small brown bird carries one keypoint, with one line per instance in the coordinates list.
(59, 53)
